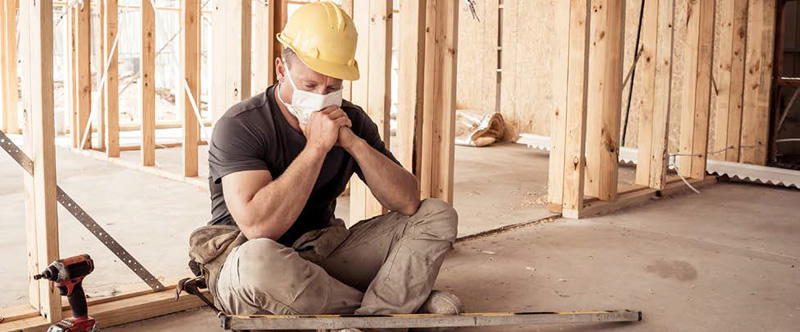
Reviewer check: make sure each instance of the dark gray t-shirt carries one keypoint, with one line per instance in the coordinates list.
(254, 135)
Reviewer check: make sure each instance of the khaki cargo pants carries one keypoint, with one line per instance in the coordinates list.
(383, 265)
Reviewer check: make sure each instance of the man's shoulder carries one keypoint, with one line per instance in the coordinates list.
(252, 105)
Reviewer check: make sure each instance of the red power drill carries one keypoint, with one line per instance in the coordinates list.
(68, 274)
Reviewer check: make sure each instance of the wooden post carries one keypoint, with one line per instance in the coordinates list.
(575, 117)
(147, 82)
(263, 36)
(111, 88)
(8, 63)
(83, 70)
(733, 17)
(347, 86)
(757, 81)
(604, 97)
(100, 121)
(36, 22)
(438, 131)
(191, 22)
(231, 61)
(71, 80)
(359, 91)
(697, 89)
(410, 80)
(281, 15)
(656, 77)
(376, 26)
(558, 120)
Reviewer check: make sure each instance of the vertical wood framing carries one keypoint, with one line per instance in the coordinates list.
(111, 87)
(604, 98)
(281, 15)
(191, 22)
(558, 120)
(347, 86)
(231, 62)
(697, 89)
(36, 22)
(359, 91)
(656, 77)
(100, 121)
(438, 131)
(83, 70)
(574, 148)
(757, 81)
(71, 80)
(8, 65)
(147, 89)
(730, 78)
(410, 79)
(735, 103)
(378, 94)
(263, 46)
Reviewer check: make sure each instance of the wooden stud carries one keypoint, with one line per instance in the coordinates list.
(438, 131)
(574, 161)
(757, 81)
(656, 78)
(410, 80)
(263, 47)
(728, 116)
(147, 82)
(191, 21)
(83, 69)
(604, 97)
(359, 91)
(347, 86)
(735, 104)
(71, 80)
(36, 22)
(8, 63)
(230, 64)
(100, 121)
(112, 80)
(697, 89)
(281, 13)
(558, 120)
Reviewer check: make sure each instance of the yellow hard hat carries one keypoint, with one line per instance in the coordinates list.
(324, 37)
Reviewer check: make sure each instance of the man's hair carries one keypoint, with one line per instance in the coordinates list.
(289, 56)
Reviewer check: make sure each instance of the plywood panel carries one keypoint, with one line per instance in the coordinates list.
(757, 84)
(479, 40)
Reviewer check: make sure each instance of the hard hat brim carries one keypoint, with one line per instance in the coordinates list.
(342, 72)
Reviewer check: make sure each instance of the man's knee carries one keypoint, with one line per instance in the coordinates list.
(261, 263)
(438, 217)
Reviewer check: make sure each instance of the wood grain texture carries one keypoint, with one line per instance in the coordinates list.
(558, 121)
(83, 70)
(264, 33)
(8, 65)
(737, 72)
(36, 22)
(479, 43)
(99, 121)
(410, 80)
(111, 87)
(604, 97)
(757, 81)
(662, 94)
(574, 161)
(190, 71)
(147, 89)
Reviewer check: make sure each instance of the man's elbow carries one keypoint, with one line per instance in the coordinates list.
(410, 207)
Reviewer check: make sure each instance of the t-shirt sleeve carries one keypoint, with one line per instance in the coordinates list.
(369, 132)
(234, 147)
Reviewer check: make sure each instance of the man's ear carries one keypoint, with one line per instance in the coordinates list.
(280, 70)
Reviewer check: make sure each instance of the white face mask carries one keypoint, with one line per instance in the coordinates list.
(304, 103)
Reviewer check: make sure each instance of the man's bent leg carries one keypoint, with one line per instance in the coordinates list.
(264, 277)
(395, 258)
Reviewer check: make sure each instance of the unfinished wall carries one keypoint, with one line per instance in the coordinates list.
(527, 38)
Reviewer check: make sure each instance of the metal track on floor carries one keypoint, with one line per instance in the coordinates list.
(754, 173)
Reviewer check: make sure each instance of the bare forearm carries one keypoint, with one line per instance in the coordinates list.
(276, 206)
(393, 186)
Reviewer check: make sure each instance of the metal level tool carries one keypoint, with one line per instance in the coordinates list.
(84, 218)
(321, 322)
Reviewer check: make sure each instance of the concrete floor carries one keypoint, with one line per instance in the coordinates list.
(497, 186)
(723, 260)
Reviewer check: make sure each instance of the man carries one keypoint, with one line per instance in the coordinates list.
(277, 163)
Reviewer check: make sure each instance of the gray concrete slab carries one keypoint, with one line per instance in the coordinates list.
(663, 258)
